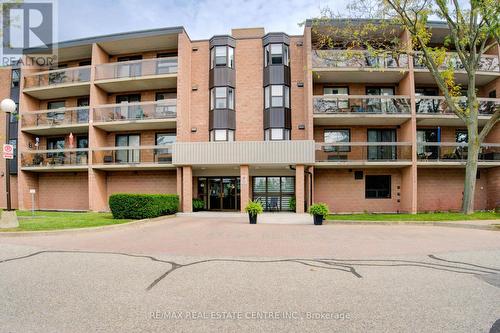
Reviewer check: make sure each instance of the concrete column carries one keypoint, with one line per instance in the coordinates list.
(187, 189)
(244, 186)
(299, 188)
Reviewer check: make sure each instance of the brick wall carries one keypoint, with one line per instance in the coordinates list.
(441, 189)
(67, 190)
(344, 194)
(142, 182)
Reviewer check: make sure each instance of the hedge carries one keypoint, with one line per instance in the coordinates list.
(142, 206)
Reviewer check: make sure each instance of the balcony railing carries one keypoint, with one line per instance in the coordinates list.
(164, 109)
(357, 59)
(136, 68)
(438, 105)
(55, 157)
(455, 152)
(58, 117)
(132, 155)
(362, 104)
(363, 152)
(487, 63)
(57, 77)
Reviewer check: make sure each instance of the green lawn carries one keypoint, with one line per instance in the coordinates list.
(62, 220)
(416, 217)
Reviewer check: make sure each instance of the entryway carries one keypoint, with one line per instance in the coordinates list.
(220, 193)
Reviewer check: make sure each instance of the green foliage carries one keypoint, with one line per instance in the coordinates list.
(198, 204)
(293, 203)
(319, 209)
(254, 208)
(142, 206)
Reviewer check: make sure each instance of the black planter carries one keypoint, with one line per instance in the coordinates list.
(318, 219)
(252, 218)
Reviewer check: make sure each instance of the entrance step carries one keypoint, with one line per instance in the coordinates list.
(265, 218)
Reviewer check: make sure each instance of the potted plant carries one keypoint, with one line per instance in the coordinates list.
(253, 209)
(319, 211)
(292, 204)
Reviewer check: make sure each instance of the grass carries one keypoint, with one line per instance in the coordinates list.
(62, 220)
(416, 217)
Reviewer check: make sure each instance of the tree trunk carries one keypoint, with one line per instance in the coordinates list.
(470, 172)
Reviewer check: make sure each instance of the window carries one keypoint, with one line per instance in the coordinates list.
(276, 54)
(382, 152)
(274, 193)
(131, 155)
(53, 144)
(341, 103)
(461, 136)
(276, 134)
(222, 98)
(377, 187)
(16, 76)
(222, 135)
(126, 111)
(55, 118)
(337, 135)
(222, 56)
(164, 139)
(427, 135)
(276, 96)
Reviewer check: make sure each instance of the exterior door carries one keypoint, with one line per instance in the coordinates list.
(381, 152)
(380, 105)
(128, 155)
(220, 193)
(214, 194)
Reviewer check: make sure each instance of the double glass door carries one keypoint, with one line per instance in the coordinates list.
(220, 193)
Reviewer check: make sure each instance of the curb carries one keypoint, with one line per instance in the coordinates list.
(457, 224)
(81, 230)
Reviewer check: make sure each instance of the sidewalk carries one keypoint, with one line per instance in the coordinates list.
(473, 224)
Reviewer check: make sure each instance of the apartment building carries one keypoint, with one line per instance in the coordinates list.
(247, 116)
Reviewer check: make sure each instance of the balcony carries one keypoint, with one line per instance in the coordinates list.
(332, 66)
(488, 70)
(433, 111)
(132, 158)
(136, 116)
(55, 122)
(361, 110)
(55, 160)
(148, 74)
(363, 154)
(74, 81)
(453, 154)
(267, 153)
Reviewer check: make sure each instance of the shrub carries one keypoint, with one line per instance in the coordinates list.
(254, 208)
(198, 204)
(319, 209)
(142, 206)
(292, 204)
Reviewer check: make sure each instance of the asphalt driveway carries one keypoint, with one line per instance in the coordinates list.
(186, 274)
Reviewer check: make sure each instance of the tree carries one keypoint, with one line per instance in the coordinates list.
(474, 29)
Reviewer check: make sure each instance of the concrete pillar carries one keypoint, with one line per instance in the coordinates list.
(299, 188)
(244, 186)
(187, 189)
(178, 183)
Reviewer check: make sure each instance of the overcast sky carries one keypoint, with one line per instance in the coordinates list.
(201, 18)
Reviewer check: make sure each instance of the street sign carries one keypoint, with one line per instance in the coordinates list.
(8, 151)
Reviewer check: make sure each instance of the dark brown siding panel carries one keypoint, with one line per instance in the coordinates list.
(276, 74)
(277, 117)
(222, 119)
(221, 77)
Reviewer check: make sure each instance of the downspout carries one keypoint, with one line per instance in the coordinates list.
(310, 183)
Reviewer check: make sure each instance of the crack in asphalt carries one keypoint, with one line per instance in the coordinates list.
(490, 275)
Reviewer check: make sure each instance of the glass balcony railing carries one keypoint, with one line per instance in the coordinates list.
(437, 105)
(331, 104)
(132, 155)
(136, 68)
(357, 59)
(487, 63)
(57, 77)
(55, 157)
(363, 152)
(58, 117)
(455, 152)
(164, 109)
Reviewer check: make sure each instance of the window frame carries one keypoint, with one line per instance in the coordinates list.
(376, 189)
(268, 55)
(15, 82)
(285, 96)
(286, 134)
(229, 135)
(228, 98)
(228, 55)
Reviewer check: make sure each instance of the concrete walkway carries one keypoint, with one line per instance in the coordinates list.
(264, 218)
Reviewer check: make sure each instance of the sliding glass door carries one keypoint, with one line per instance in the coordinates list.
(382, 152)
(128, 155)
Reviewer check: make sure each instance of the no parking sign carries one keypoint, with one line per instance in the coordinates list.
(8, 151)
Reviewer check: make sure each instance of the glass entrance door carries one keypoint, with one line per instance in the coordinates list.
(223, 193)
